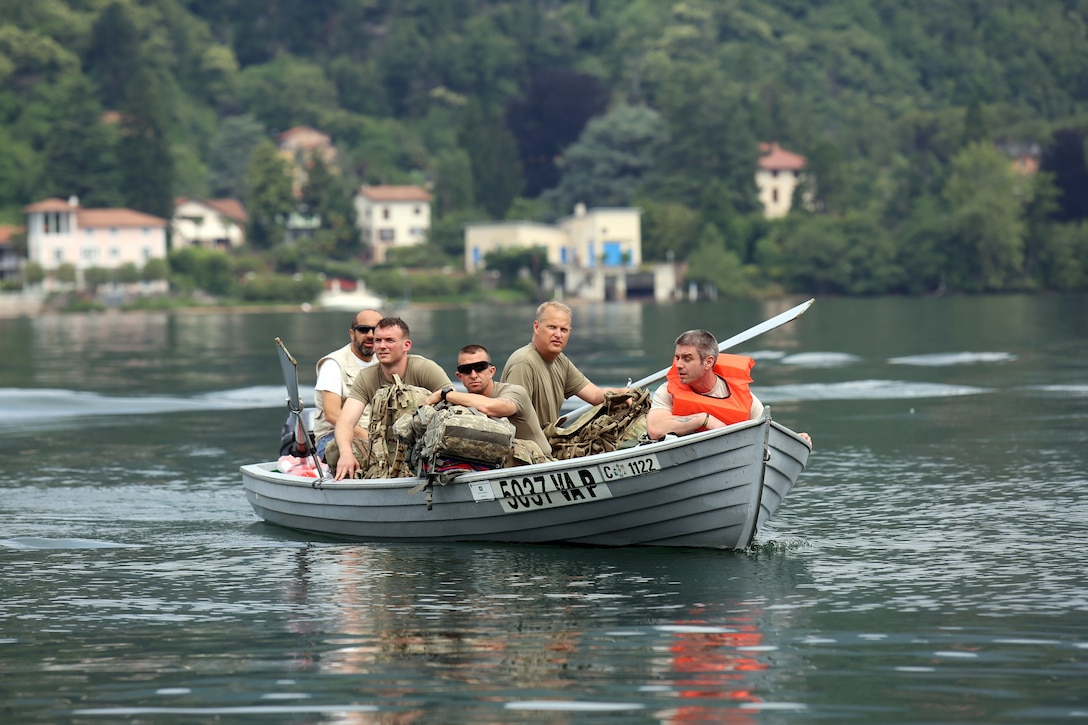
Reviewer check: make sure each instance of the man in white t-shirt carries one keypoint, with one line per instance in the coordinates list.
(336, 372)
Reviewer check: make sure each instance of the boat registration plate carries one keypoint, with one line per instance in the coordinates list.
(562, 488)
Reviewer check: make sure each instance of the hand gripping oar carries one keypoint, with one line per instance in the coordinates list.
(741, 337)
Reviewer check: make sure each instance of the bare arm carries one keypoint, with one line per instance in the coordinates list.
(595, 395)
(345, 432)
(331, 405)
(493, 407)
(661, 422)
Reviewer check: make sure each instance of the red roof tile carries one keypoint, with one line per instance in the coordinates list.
(230, 208)
(7, 231)
(98, 218)
(395, 193)
(53, 204)
(775, 158)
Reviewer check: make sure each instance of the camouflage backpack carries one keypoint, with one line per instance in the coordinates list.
(457, 433)
(388, 453)
(605, 427)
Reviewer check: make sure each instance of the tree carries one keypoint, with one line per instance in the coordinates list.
(453, 190)
(714, 264)
(986, 200)
(710, 136)
(849, 255)
(551, 116)
(326, 196)
(287, 91)
(608, 164)
(80, 154)
(229, 154)
(513, 262)
(1067, 159)
(492, 152)
(154, 270)
(65, 273)
(33, 273)
(146, 162)
(113, 56)
(269, 197)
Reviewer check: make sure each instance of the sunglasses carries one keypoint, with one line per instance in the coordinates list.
(476, 367)
(364, 329)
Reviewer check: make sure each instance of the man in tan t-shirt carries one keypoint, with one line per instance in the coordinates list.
(391, 346)
(497, 400)
(544, 371)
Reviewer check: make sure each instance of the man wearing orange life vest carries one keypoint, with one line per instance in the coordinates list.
(705, 389)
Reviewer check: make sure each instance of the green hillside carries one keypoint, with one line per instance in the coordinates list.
(910, 114)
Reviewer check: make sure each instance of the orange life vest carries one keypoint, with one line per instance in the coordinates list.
(735, 370)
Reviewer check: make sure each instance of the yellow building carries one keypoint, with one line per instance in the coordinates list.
(609, 237)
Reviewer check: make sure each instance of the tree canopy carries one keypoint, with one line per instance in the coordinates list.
(945, 142)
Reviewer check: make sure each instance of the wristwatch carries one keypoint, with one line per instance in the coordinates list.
(446, 391)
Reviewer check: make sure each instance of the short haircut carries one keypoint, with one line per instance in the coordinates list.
(553, 305)
(703, 342)
(395, 322)
(469, 349)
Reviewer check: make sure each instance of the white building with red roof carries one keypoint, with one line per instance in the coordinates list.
(392, 216)
(209, 223)
(62, 232)
(778, 174)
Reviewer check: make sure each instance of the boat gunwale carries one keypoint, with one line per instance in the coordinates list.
(265, 471)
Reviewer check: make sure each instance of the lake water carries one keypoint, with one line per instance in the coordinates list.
(929, 567)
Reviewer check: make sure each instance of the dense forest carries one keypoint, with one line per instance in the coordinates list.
(915, 118)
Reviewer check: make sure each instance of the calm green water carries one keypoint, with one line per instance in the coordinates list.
(929, 567)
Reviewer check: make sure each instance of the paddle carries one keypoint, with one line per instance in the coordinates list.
(741, 337)
(304, 437)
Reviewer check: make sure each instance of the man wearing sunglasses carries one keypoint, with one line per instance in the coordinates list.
(391, 346)
(336, 372)
(544, 371)
(497, 400)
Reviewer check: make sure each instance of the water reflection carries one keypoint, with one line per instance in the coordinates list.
(689, 632)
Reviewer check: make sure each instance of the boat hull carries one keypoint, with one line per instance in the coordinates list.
(709, 490)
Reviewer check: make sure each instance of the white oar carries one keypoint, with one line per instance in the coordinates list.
(741, 337)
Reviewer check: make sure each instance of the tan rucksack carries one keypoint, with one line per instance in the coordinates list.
(605, 427)
(388, 453)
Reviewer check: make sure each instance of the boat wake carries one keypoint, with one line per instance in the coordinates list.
(30, 406)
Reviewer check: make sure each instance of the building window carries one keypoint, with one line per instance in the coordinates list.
(417, 232)
(89, 232)
(475, 256)
(774, 195)
(90, 254)
(114, 252)
(774, 174)
(385, 212)
(417, 211)
(58, 256)
(385, 235)
(113, 231)
(146, 255)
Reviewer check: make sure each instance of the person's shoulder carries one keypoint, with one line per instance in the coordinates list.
(509, 390)
(521, 354)
(332, 355)
(424, 362)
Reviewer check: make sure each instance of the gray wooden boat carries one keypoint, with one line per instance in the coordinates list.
(713, 490)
